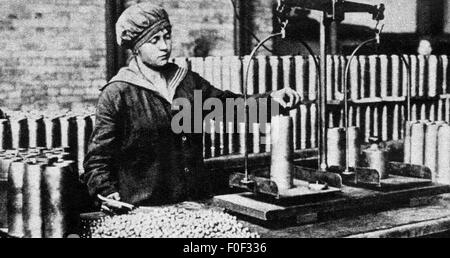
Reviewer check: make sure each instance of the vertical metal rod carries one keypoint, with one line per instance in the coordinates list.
(323, 95)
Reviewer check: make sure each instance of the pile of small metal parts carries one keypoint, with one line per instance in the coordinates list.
(41, 184)
(170, 222)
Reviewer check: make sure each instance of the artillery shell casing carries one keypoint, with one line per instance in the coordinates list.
(32, 200)
(15, 133)
(440, 111)
(396, 124)
(300, 75)
(447, 110)
(242, 138)
(281, 168)
(3, 125)
(81, 142)
(384, 75)
(65, 124)
(15, 198)
(3, 168)
(376, 111)
(377, 159)
(367, 126)
(222, 138)
(274, 62)
(303, 124)
(444, 71)
(431, 147)
(268, 137)
(417, 143)
(422, 64)
(314, 126)
(32, 132)
(351, 115)
(432, 75)
(294, 115)
(256, 138)
(354, 146)
(49, 127)
(213, 138)
(251, 75)
(395, 60)
(423, 112)
(384, 124)
(443, 170)
(262, 73)
(230, 137)
(336, 147)
(373, 60)
(57, 191)
(358, 84)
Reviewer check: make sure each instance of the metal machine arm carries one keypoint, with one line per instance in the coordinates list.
(336, 8)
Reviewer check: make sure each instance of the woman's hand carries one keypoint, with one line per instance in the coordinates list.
(111, 206)
(287, 98)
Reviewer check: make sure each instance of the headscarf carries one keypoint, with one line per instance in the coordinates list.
(138, 23)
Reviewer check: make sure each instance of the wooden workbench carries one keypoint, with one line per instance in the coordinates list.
(407, 222)
(421, 221)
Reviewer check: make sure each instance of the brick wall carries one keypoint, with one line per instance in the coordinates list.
(51, 51)
(200, 28)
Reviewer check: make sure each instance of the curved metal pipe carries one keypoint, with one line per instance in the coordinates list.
(347, 68)
(252, 55)
(247, 72)
(319, 79)
(346, 123)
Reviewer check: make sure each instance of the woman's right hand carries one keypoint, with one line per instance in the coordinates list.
(111, 206)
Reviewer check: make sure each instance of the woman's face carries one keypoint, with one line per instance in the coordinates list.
(156, 52)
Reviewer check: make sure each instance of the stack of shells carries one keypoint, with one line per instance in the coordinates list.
(41, 187)
(427, 144)
(69, 129)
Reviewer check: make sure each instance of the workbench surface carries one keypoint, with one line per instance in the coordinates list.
(421, 221)
(426, 220)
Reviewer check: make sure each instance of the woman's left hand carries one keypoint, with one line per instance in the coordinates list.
(287, 98)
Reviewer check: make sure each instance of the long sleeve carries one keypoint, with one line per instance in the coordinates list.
(210, 91)
(100, 174)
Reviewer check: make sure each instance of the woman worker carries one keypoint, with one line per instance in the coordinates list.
(134, 155)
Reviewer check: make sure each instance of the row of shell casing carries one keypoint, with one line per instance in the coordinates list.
(374, 157)
(41, 190)
(428, 144)
(70, 129)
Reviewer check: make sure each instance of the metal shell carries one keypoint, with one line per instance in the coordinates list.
(57, 194)
(443, 167)
(431, 147)
(15, 197)
(376, 158)
(417, 143)
(32, 200)
(281, 168)
(354, 146)
(336, 147)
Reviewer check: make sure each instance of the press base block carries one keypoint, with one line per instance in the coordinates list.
(400, 176)
(307, 183)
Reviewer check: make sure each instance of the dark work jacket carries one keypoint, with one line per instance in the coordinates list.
(134, 151)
